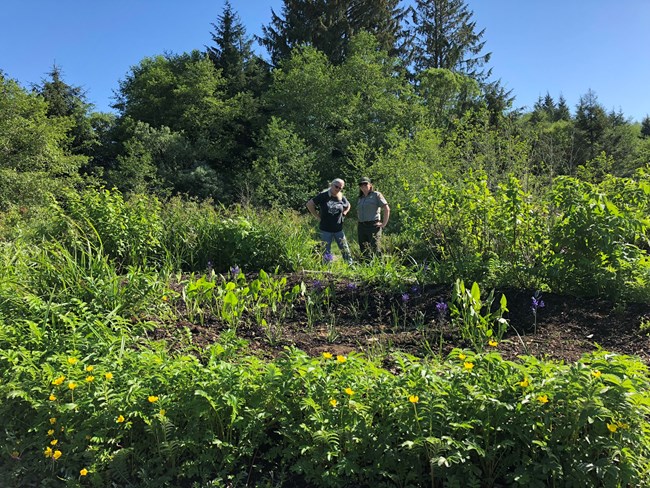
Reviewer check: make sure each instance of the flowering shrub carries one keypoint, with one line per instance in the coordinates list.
(474, 419)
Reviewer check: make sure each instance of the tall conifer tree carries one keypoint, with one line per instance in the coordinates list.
(562, 112)
(443, 35)
(591, 123)
(232, 54)
(328, 25)
(645, 127)
(64, 100)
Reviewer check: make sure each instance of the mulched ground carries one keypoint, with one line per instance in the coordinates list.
(366, 320)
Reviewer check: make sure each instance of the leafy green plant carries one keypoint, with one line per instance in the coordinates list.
(474, 316)
(198, 296)
(318, 302)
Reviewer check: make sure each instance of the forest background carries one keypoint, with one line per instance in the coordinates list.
(400, 92)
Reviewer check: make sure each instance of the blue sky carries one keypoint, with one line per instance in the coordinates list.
(562, 47)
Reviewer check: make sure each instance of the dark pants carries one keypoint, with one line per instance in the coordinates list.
(368, 236)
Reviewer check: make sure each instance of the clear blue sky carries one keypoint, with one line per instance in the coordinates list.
(561, 47)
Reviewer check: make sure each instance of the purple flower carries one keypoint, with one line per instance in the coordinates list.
(441, 307)
(328, 257)
(405, 297)
(415, 289)
(318, 286)
(352, 286)
(234, 271)
(537, 302)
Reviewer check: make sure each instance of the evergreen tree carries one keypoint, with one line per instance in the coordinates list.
(498, 101)
(232, 54)
(544, 110)
(444, 36)
(547, 110)
(539, 113)
(562, 112)
(645, 127)
(329, 25)
(65, 100)
(617, 118)
(549, 106)
(384, 19)
(591, 122)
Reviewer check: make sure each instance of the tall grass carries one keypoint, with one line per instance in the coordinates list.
(198, 235)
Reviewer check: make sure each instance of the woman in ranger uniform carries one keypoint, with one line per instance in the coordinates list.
(371, 217)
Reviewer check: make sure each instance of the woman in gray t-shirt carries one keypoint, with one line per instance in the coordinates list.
(373, 213)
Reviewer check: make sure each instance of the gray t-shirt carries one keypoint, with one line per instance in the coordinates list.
(368, 208)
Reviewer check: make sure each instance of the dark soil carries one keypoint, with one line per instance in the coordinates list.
(377, 323)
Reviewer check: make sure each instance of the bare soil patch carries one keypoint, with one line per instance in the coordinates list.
(363, 319)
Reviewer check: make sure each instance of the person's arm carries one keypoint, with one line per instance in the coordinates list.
(311, 206)
(385, 215)
(346, 206)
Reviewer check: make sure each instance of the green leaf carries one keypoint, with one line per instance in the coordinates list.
(476, 292)
(230, 299)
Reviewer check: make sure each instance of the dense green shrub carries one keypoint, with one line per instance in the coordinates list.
(154, 419)
(198, 236)
(595, 235)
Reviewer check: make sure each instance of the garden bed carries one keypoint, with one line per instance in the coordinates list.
(365, 319)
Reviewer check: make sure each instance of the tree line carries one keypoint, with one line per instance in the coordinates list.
(374, 87)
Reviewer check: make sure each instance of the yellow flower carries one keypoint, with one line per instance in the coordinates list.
(57, 454)
(90, 379)
(162, 412)
(53, 420)
(72, 385)
(52, 398)
(83, 472)
(53, 442)
(612, 427)
(414, 398)
(50, 432)
(90, 367)
(461, 356)
(48, 452)
(596, 374)
(542, 399)
(493, 343)
(341, 359)
(15, 455)
(152, 399)
(468, 365)
(73, 360)
(58, 381)
(333, 402)
(327, 355)
(349, 391)
(120, 419)
(108, 376)
(524, 383)
(164, 298)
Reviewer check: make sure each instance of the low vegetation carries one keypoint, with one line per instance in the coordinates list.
(90, 396)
